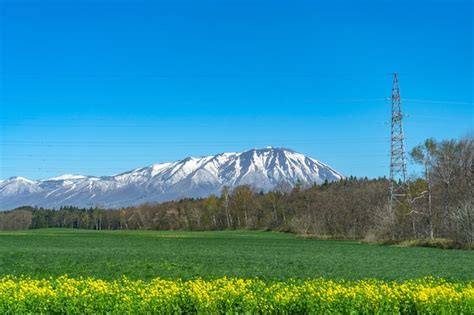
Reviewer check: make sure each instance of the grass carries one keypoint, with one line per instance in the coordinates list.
(245, 254)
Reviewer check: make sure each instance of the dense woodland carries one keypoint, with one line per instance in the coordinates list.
(439, 204)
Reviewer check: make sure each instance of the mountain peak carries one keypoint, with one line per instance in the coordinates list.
(20, 179)
(263, 169)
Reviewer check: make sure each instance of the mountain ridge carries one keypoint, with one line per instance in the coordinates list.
(263, 169)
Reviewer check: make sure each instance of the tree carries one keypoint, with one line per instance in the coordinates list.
(275, 200)
(211, 205)
(424, 154)
(463, 217)
(242, 199)
(225, 203)
(16, 220)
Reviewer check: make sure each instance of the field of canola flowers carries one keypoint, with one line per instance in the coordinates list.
(233, 295)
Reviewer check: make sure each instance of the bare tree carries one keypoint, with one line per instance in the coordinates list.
(463, 219)
(424, 154)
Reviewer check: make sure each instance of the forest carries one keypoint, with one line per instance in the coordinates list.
(438, 204)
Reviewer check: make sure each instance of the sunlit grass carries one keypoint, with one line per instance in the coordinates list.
(209, 255)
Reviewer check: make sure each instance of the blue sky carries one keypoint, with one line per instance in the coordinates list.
(101, 87)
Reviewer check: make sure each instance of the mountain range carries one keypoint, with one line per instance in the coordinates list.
(263, 169)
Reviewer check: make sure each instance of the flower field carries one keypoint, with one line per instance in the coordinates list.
(232, 295)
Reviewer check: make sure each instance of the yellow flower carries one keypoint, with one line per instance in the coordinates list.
(64, 294)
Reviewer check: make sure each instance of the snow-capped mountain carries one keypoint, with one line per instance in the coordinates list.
(263, 169)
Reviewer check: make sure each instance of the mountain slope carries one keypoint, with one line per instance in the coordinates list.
(263, 169)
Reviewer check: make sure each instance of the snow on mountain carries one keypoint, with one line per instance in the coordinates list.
(263, 169)
(66, 177)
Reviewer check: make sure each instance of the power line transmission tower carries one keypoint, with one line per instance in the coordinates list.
(398, 168)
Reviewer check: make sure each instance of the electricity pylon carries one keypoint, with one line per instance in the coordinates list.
(398, 167)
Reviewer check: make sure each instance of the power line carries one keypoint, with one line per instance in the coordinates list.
(118, 159)
(118, 170)
(102, 142)
(444, 102)
(190, 76)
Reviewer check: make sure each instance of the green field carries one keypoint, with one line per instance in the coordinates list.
(268, 255)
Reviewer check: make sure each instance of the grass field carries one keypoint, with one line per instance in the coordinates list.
(245, 254)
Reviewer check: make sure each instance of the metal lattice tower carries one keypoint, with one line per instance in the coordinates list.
(398, 168)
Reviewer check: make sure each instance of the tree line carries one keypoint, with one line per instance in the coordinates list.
(438, 204)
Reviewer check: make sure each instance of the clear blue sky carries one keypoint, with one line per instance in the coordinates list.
(101, 87)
